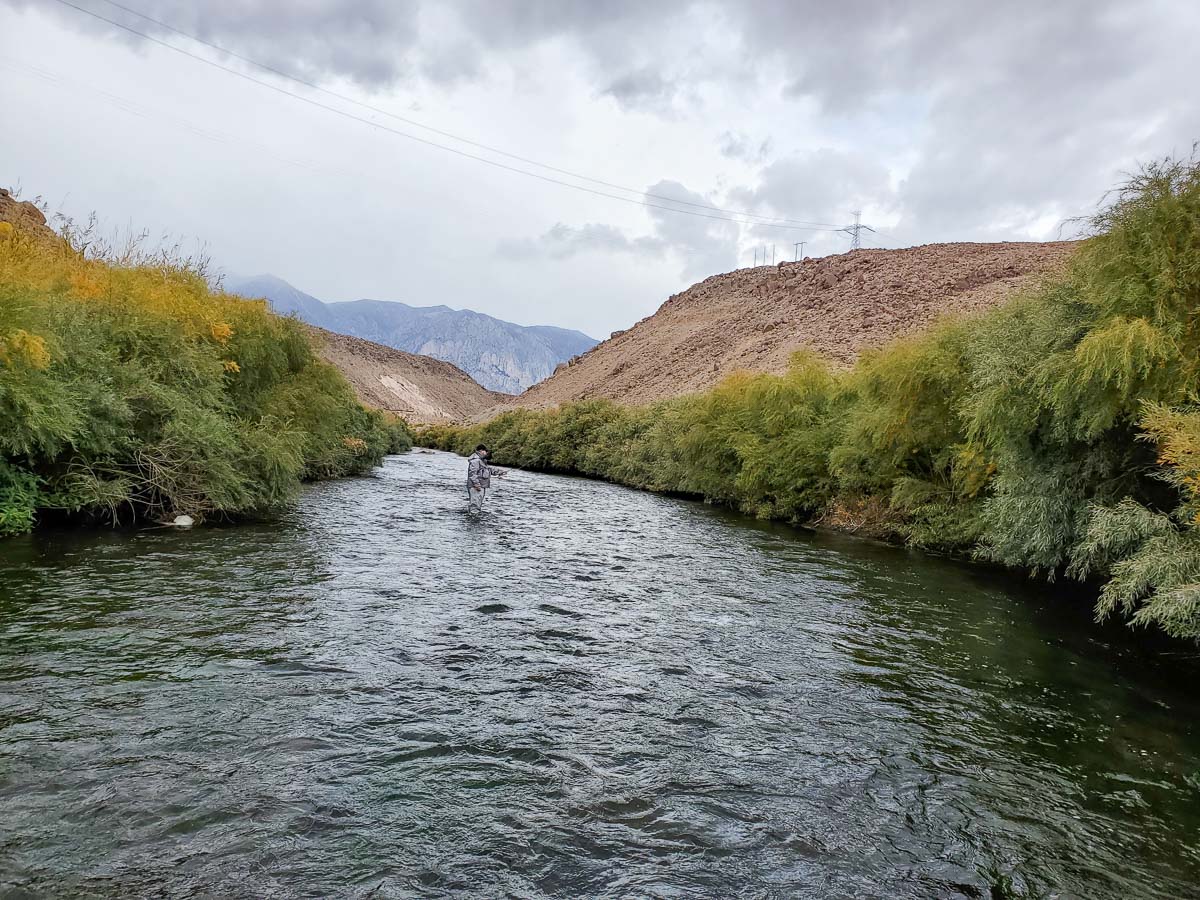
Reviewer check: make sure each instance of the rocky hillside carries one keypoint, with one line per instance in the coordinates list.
(22, 213)
(754, 319)
(419, 388)
(499, 355)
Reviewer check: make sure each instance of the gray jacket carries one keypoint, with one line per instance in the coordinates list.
(479, 474)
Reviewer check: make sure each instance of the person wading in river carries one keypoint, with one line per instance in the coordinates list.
(479, 478)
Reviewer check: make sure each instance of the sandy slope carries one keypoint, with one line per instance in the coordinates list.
(419, 388)
(754, 319)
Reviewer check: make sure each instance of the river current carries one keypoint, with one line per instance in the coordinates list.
(586, 691)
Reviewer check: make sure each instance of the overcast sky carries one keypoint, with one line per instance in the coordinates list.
(940, 121)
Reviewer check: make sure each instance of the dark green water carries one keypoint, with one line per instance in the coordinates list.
(590, 692)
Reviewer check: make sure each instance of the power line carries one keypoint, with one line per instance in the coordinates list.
(781, 223)
(150, 114)
(383, 112)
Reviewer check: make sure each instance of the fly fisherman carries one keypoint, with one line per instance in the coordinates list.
(479, 478)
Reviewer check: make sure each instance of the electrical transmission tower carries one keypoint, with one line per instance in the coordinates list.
(855, 231)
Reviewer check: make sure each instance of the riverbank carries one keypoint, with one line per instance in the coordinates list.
(132, 391)
(1057, 434)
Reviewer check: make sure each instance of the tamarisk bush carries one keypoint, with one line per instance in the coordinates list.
(131, 390)
(1059, 433)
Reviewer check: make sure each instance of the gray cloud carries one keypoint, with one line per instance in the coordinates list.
(702, 245)
(705, 245)
(565, 241)
(372, 41)
(836, 54)
(644, 88)
(1030, 136)
(380, 42)
(1010, 93)
(736, 145)
(824, 183)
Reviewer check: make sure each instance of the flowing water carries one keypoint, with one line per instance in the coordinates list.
(588, 691)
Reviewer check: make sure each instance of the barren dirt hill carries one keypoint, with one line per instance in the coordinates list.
(754, 319)
(22, 213)
(419, 388)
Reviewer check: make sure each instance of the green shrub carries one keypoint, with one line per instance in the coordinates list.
(131, 390)
(18, 499)
(399, 434)
(1058, 433)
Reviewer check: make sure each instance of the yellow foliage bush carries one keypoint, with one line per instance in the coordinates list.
(117, 400)
(1177, 434)
(155, 287)
(21, 347)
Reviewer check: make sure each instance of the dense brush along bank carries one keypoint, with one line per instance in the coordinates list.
(1058, 433)
(130, 390)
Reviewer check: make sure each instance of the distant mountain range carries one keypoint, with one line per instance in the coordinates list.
(499, 355)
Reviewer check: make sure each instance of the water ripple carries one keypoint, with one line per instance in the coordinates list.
(585, 692)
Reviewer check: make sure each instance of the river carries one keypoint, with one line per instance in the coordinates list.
(588, 691)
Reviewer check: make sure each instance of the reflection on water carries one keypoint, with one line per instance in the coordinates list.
(588, 691)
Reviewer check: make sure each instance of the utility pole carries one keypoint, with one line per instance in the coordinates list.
(855, 231)
(772, 254)
(798, 247)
